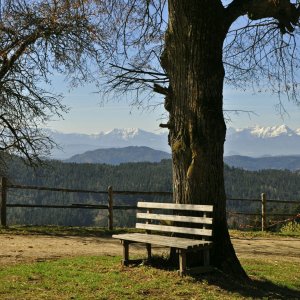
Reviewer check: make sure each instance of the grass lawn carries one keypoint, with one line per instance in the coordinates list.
(104, 278)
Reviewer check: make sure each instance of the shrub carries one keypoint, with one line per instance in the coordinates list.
(292, 227)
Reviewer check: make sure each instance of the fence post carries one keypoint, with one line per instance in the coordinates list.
(263, 212)
(3, 200)
(110, 208)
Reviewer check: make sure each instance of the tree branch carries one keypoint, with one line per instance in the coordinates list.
(286, 13)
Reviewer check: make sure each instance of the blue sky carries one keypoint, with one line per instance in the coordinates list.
(265, 110)
(89, 115)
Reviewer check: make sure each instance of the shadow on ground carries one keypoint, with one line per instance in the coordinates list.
(254, 288)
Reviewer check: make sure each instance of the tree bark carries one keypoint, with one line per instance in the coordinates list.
(192, 59)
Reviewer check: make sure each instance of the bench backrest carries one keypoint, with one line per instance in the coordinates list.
(178, 216)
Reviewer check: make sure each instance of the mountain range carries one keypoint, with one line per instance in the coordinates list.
(263, 141)
(255, 141)
(76, 143)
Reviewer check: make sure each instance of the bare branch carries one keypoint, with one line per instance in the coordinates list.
(286, 13)
(37, 38)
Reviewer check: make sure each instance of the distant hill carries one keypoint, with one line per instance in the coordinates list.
(116, 156)
(291, 162)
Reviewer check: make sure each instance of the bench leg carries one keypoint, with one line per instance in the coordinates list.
(148, 246)
(125, 253)
(182, 262)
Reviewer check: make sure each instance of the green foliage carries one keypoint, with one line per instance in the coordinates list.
(277, 184)
(96, 177)
(291, 228)
(131, 177)
(288, 162)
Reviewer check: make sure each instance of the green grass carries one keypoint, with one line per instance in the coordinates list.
(263, 234)
(99, 278)
(62, 230)
(104, 278)
(281, 273)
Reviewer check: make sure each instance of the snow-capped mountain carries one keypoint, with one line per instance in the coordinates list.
(254, 141)
(263, 141)
(270, 132)
(75, 143)
(125, 134)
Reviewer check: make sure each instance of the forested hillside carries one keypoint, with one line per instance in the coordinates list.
(116, 156)
(130, 176)
(288, 162)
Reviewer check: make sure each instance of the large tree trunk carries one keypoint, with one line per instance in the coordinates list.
(193, 61)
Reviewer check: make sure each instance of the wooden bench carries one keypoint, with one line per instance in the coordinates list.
(188, 233)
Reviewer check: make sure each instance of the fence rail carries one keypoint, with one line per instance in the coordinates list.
(5, 186)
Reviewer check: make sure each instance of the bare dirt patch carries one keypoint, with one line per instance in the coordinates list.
(269, 248)
(28, 248)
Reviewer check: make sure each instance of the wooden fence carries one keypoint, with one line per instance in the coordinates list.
(5, 186)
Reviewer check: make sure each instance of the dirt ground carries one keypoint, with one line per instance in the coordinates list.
(28, 248)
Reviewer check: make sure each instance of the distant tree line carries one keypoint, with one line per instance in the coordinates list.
(277, 184)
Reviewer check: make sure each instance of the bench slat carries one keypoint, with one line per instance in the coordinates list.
(194, 207)
(198, 220)
(186, 230)
(168, 241)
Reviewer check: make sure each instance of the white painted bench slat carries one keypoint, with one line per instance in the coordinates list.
(175, 218)
(203, 208)
(168, 241)
(175, 229)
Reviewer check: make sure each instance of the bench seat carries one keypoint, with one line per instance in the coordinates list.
(162, 240)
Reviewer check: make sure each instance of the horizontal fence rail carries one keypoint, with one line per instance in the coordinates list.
(5, 186)
(269, 200)
(44, 188)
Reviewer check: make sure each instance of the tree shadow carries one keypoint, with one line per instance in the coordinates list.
(254, 288)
